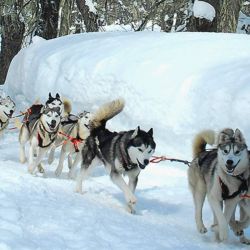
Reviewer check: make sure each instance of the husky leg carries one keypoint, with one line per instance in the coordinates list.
(38, 160)
(61, 161)
(119, 181)
(51, 155)
(70, 161)
(222, 222)
(132, 183)
(198, 189)
(71, 173)
(83, 174)
(23, 138)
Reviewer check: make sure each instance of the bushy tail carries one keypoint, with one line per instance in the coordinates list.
(18, 123)
(106, 112)
(201, 140)
(67, 106)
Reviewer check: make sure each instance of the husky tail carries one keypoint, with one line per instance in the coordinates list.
(201, 140)
(67, 106)
(106, 112)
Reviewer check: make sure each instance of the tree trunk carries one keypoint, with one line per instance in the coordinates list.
(49, 19)
(90, 18)
(202, 24)
(229, 15)
(12, 37)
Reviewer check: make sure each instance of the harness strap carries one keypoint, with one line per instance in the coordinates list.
(242, 188)
(127, 164)
(74, 141)
(40, 141)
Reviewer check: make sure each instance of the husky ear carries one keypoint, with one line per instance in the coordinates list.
(150, 132)
(57, 96)
(225, 136)
(239, 136)
(50, 96)
(135, 133)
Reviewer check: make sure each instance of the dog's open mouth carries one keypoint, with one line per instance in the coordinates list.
(231, 168)
(52, 127)
(8, 115)
(141, 165)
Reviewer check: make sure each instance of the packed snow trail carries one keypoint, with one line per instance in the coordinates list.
(45, 213)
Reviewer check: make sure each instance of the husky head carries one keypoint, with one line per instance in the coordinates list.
(141, 147)
(232, 152)
(50, 119)
(84, 119)
(7, 108)
(54, 102)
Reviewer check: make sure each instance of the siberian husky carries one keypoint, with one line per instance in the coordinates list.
(72, 135)
(7, 108)
(221, 174)
(123, 153)
(41, 137)
(33, 115)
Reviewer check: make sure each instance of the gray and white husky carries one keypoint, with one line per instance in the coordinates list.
(123, 153)
(41, 137)
(7, 108)
(33, 115)
(220, 174)
(72, 135)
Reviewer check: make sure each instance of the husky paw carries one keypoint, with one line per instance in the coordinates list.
(71, 175)
(23, 159)
(130, 209)
(131, 199)
(31, 169)
(202, 230)
(237, 228)
(58, 172)
(40, 169)
(244, 240)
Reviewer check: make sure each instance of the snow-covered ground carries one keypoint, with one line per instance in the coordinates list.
(176, 83)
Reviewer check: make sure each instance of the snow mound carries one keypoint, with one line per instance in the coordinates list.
(205, 10)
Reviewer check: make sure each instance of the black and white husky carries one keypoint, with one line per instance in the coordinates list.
(221, 175)
(7, 108)
(121, 153)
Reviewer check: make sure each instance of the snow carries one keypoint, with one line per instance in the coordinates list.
(203, 9)
(91, 6)
(176, 83)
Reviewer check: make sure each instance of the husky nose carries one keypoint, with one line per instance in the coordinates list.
(229, 162)
(146, 162)
(53, 123)
(11, 112)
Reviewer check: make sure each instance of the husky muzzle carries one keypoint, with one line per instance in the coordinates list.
(230, 167)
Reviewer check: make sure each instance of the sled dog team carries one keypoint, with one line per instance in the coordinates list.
(222, 174)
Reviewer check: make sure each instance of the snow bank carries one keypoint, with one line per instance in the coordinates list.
(176, 83)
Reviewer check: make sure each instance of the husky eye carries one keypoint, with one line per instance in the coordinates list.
(225, 151)
(237, 152)
(6, 105)
(140, 149)
(150, 151)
